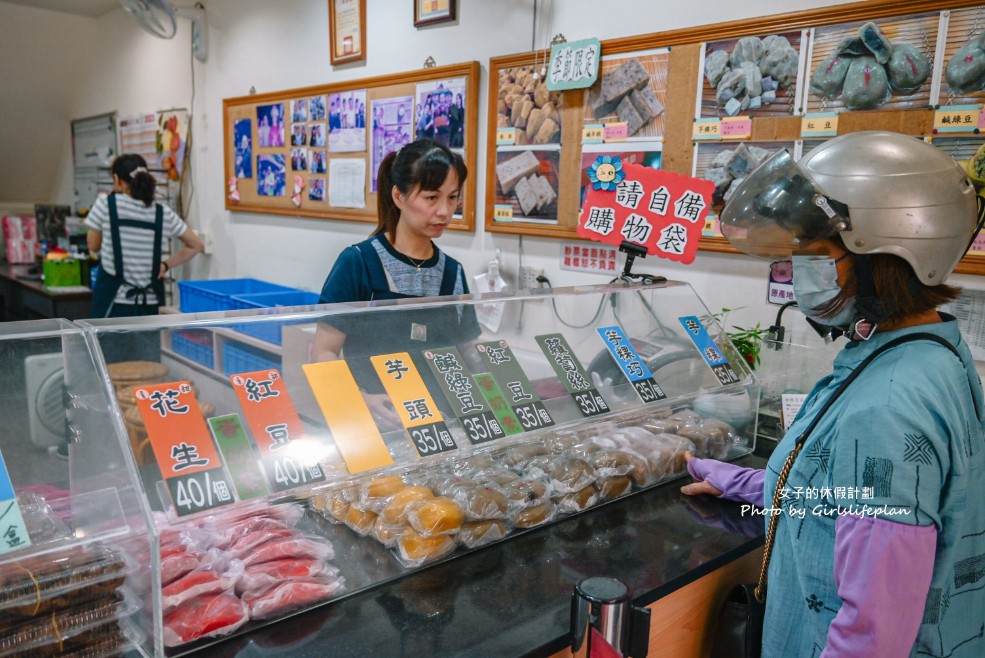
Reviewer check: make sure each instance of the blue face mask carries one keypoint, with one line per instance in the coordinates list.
(815, 283)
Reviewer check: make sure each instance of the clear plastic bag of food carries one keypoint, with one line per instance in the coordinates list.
(211, 615)
(414, 549)
(435, 516)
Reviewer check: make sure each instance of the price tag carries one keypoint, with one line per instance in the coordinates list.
(736, 128)
(572, 374)
(463, 395)
(593, 134)
(13, 531)
(289, 456)
(630, 363)
(349, 419)
(819, 124)
(615, 132)
(505, 136)
(981, 119)
(503, 212)
(520, 393)
(497, 401)
(240, 456)
(190, 464)
(414, 405)
(790, 404)
(957, 119)
(704, 129)
(709, 350)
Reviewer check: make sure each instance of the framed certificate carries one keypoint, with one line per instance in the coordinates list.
(427, 12)
(347, 30)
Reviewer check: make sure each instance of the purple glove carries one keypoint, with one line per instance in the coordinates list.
(744, 485)
(879, 563)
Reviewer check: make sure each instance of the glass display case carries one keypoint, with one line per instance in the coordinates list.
(253, 464)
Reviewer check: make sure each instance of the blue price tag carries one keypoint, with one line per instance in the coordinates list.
(630, 363)
(709, 350)
(13, 532)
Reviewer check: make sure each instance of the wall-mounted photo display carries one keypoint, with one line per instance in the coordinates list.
(347, 121)
(271, 175)
(631, 89)
(884, 64)
(439, 113)
(392, 129)
(347, 128)
(726, 164)
(525, 103)
(243, 140)
(270, 125)
(752, 76)
(969, 152)
(527, 183)
(964, 58)
(647, 154)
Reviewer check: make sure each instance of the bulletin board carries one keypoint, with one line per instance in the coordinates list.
(676, 62)
(314, 151)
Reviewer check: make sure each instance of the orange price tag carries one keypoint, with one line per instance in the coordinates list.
(183, 447)
(341, 402)
(414, 404)
(706, 129)
(290, 457)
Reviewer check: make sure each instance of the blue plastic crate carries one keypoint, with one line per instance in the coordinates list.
(195, 345)
(238, 357)
(198, 296)
(270, 330)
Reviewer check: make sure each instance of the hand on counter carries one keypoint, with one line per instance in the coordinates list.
(724, 480)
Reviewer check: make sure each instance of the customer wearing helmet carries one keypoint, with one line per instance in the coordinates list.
(879, 545)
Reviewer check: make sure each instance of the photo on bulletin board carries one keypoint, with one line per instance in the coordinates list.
(631, 88)
(299, 159)
(270, 125)
(525, 103)
(242, 140)
(299, 109)
(527, 181)
(299, 134)
(647, 154)
(866, 65)
(347, 121)
(963, 82)
(753, 76)
(271, 175)
(316, 106)
(392, 126)
(726, 164)
(316, 189)
(440, 112)
(318, 162)
(318, 137)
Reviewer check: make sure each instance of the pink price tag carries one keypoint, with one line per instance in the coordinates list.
(737, 127)
(981, 119)
(615, 132)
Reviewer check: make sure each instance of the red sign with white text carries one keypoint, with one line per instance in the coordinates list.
(660, 210)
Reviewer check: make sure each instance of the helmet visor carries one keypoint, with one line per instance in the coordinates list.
(778, 209)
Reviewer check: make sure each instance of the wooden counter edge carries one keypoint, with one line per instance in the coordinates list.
(682, 623)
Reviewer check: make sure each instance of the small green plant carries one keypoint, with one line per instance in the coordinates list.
(748, 340)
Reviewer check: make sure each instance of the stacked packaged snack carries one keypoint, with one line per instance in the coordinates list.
(221, 571)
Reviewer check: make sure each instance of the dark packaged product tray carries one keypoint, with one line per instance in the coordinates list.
(71, 626)
(114, 638)
(39, 584)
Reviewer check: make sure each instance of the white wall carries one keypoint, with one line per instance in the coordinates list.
(276, 46)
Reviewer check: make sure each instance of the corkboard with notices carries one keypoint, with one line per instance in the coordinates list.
(683, 101)
(315, 151)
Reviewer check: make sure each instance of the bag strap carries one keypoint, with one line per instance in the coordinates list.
(781, 481)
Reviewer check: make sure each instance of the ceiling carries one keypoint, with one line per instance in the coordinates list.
(90, 8)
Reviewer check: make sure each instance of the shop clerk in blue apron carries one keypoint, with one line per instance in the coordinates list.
(131, 280)
(419, 190)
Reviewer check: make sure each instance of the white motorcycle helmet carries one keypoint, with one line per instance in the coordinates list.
(882, 192)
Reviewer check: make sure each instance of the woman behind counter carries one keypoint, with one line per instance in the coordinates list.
(887, 558)
(131, 280)
(419, 190)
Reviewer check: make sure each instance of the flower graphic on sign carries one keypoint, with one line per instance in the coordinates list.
(606, 172)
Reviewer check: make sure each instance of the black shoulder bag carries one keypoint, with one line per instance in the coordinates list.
(740, 621)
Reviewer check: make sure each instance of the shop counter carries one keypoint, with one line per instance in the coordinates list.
(24, 297)
(679, 555)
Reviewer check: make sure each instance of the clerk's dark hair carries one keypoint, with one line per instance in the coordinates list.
(422, 165)
(132, 170)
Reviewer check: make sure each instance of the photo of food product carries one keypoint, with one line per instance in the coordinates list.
(751, 76)
(525, 103)
(527, 180)
(633, 90)
(726, 165)
(964, 58)
(885, 64)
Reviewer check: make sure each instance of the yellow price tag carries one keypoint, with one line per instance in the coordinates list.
(503, 212)
(505, 136)
(824, 124)
(706, 129)
(350, 420)
(958, 118)
(593, 134)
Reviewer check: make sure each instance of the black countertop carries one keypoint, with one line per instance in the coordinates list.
(513, 598)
